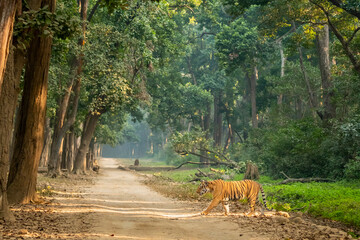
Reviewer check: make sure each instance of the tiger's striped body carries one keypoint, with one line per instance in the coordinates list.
(234, 190)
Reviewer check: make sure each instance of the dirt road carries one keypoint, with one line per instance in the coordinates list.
(117, 205)
(126, 209)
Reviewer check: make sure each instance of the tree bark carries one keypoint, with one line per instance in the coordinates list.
(65, 152)
(253, 80)
(282, 70)
(326, 81)
(88, 132)
(7, 16)
(313, 102)
(70, 156)
(252, 171)
(217, 119)
(61, 128)
(90, 155)
(206, 128)
(47, 144)
(30, 135)
(8, 100)
(230, 137)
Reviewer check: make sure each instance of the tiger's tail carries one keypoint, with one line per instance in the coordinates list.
(263, 198)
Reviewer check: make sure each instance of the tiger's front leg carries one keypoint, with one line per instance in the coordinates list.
(213, 204)
(226, 207)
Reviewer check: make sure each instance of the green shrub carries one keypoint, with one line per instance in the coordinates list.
(300, 148)
(337, 201)
(352, 169)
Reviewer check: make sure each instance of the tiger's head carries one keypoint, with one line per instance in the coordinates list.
(203, 187)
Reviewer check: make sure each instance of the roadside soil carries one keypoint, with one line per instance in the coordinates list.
(116, 204)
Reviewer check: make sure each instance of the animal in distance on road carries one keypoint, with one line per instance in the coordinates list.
(234, 190)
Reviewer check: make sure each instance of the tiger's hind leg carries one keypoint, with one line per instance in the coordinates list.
(252, 207)
(226, 207)
(259, 204)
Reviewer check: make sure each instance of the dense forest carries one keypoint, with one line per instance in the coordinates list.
(217, 82)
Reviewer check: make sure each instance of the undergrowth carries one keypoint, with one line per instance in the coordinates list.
(336, 201)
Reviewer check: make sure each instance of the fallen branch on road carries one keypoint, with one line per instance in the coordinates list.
(189, 162)
(303, 180)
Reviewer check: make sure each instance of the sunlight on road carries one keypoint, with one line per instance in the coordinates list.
(74, 208)
(31, 235)
(106, 200)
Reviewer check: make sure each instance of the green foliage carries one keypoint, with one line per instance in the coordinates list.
(184, 143)
(111, 129)
(299, 148)
(62, 24)
(352, 169)
(182, 175)
(237, 45)
(195, 101)
(336, 201)
(169, 156)
(238, 7)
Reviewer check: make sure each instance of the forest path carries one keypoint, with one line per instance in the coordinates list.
(124, 208)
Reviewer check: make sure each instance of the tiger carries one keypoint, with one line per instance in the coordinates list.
(224, 191)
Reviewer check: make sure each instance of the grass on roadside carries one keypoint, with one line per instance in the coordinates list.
(336, 201)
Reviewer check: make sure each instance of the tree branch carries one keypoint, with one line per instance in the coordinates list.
(206, 33)
(339, 4)
(188, 162)
(338, 35)
(292, 29)
(305, 180)
(353, 35)
(93, 10)
(199, 155)
(181, 6)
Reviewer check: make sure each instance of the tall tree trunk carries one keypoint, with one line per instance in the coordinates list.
(207, 119)
(61, 129)
(47, 144)
(217, 119)
(206, 128)
(282, 70)
(298, 108)
(7, 16)
(30, 135)
(98, 150)
(88, 132)
(8, 100)
(70, 156)
(62, 126)
(230, 137)
(324, 64)
(313, 102)
(65, 153)
(90, 155)
(253, 80)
